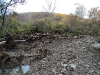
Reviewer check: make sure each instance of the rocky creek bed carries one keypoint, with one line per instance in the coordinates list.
(73, 56)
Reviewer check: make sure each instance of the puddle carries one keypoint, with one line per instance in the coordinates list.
(17, 71)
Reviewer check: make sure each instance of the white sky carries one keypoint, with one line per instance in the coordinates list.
(64, 6)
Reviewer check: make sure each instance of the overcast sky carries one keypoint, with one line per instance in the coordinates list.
(63, 6)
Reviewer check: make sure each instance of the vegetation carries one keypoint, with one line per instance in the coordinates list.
(50, 22)
(57, 24)
(5, 11)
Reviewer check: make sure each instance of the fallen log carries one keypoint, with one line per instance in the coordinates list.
(3, 42)
(19, 40)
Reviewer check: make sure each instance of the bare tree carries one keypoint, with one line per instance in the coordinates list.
(50, 6)
(4, 9)
(92, 12)
(80, 10)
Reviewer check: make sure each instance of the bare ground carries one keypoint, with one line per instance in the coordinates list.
(73, 56)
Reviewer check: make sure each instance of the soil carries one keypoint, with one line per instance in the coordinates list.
(65, 56)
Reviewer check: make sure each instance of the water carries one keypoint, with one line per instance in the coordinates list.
(17, 71)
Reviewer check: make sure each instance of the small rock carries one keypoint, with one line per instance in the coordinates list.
(63, 70)
(73, 66)
(87, 65)
(69, 68)
(83, 47)
(96, 45)
(98, 62)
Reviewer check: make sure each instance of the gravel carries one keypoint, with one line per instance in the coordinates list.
(69, 56)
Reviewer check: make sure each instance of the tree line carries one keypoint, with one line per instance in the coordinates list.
(48, 22)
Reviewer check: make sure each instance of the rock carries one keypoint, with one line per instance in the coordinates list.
(73, 66)
(96, 45)
(69, 68)
(98, 62)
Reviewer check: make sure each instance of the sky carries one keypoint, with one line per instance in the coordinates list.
(63, 6)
